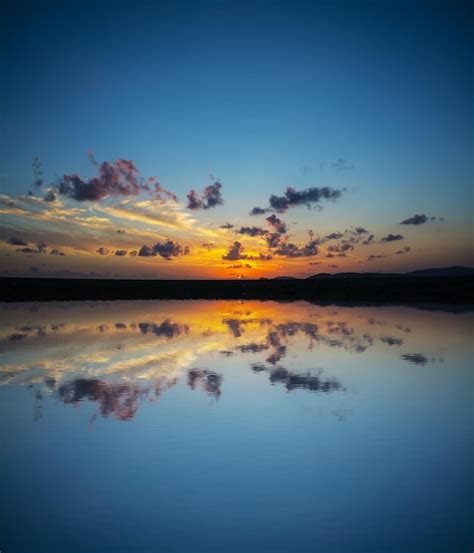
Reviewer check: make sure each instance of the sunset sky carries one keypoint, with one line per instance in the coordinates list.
(235, 139)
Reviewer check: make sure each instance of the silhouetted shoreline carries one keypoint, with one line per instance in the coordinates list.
(390, 289)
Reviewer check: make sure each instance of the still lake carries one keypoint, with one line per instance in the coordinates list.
(235, 427)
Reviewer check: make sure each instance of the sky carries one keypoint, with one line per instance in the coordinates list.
(235, 139)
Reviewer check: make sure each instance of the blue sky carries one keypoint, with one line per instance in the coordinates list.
(262, 95)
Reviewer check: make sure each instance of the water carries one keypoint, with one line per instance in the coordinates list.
(227, 426)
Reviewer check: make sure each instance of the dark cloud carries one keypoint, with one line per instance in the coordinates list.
(289, 249)
(420, 219)
(167, 328)
(14, 241)
(40, 248)
(167, 250)
(258, 211)
(374, 257)
(252, 231)
(240, 266)
(305, 197)
(406, 249)
(50, 196)
(121, 253)
(118, 178)
(360, 230)
(227, 226)
(368, 240)
(391, 340)
(341, 249)
(273, 239)
(415, 358)
(417, 219)
(56, 252)
(235, 252)
(27, 250)
(211, 197)
(276, 223)
(391, 238)
(37, 172)
(334, 236)
(120, 231)
(102, 251)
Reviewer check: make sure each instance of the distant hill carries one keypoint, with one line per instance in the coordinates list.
(447, 271)
(438, 272)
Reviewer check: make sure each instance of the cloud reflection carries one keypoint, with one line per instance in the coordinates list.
(120, 356)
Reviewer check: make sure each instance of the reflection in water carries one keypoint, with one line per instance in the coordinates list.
(302, 381)
(415, 358)
(118, 354)
(242, 422)
(208, 380)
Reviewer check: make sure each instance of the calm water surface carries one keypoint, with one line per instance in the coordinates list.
(219, 426)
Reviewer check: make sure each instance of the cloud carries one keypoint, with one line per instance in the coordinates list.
(50, 196)
(227, 226)
(167, 250)
(258, 211)
(374, 257)
(341, 249)
(235, 252)
(342, 165)
(309, 196)
(368, 240)
(118, 178)
(420, 219)
(276, 223)
(391, 238)
(273, 239)
(288, 249)
(406, 249)
(121, 253)
(27, 250)
(211, 197)
(252, 231)
(360, 230)
(14, 241)
(415, 358)
(334, 236)
(417, 219)
(40, 248)
(56, 252)
(102, 251)
(37, 172)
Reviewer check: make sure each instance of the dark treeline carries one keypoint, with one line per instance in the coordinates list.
(449, 289)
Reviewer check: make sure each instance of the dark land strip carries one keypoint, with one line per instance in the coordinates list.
(389, 289)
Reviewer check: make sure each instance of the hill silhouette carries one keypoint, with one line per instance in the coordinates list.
(440, 285)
